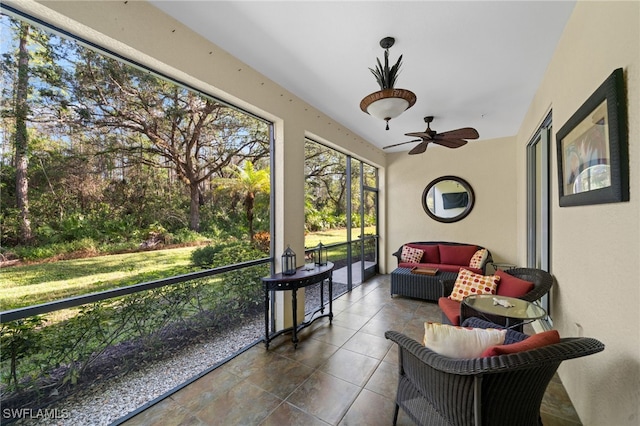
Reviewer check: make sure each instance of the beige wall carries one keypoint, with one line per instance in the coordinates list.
(595, 249)
(490, 169)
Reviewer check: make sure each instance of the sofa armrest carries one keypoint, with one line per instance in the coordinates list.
(447, 286)
(567, 348)
(487, 262)
(397, 254)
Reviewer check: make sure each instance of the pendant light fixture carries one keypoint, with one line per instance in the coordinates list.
(388, 102)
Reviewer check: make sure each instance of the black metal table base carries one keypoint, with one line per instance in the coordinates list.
(302, 278)
(297, 329)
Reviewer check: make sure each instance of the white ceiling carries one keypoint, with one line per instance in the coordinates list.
(470, 63)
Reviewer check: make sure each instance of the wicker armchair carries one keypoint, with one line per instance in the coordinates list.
(542, 283)
(500, 390)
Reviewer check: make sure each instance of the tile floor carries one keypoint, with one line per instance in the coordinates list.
(340, 374)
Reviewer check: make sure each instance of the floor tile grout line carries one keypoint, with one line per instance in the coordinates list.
(360, 388)
(379, 361)
(316, 369)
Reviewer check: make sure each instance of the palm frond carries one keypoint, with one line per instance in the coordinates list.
(386, 76)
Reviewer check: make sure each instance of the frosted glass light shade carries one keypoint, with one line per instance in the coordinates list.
(388, 108)
(387, 104)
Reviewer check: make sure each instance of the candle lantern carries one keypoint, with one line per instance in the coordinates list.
(321, 255)
(288, 262)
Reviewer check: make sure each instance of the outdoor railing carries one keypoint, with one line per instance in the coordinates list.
(49, 348)
(339, 255)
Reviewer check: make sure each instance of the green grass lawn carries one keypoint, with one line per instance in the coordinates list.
(334, 236)
(27, 285)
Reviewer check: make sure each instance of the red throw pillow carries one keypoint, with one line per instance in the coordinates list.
(456, 255)
(533, 342)
(511, 286)
(431, 252)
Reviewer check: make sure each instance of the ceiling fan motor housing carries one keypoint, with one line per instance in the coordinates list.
(451, 139)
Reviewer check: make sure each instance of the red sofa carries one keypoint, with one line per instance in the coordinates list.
(445, 256)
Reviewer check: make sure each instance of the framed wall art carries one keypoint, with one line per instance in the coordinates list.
(592, 148)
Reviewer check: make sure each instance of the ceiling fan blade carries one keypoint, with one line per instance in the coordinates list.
(464, 133)
(420, 148)
(450, 143)
(401, 143)
(421, 135)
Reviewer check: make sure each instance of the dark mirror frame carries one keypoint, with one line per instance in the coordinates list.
(463, 214)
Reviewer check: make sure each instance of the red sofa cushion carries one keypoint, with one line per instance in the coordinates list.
(536, 341)
(511, 286)
(431, 252)
(450, 268)
(439, 266)
(451, 309)
(456, 255)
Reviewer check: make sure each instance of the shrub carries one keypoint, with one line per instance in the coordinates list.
(225, 254)
(262, 240)
(186, 235)
(56, 250)
(203, 256)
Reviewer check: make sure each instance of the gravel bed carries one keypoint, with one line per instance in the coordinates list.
(103, 403)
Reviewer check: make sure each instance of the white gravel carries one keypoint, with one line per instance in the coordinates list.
(104, 403)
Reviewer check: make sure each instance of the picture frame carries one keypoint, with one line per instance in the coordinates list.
(592, 148)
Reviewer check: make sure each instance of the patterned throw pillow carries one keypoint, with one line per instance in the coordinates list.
(411, 255)
(468, 283)
(479, 258)
(460, 342)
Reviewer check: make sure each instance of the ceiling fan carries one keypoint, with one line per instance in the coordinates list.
(451, 139)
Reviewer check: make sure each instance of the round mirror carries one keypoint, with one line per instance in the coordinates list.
(448, 199)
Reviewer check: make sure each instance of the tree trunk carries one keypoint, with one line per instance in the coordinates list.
(248, 204)
(194, 208)
(21, 137)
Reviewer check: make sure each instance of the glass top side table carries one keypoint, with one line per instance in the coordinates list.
(519, 313)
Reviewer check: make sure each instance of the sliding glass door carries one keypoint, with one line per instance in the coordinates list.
(341, 211)
(538, 208)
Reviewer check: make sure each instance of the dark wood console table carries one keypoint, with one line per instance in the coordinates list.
(304, 276)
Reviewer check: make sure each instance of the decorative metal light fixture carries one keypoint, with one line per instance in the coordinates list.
(288, 262)
(389, 102)
(321, 258)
